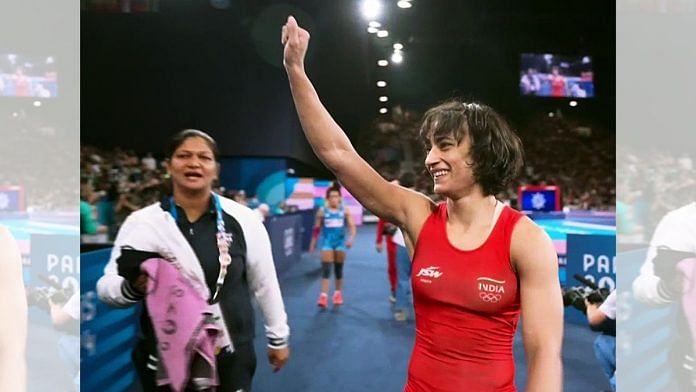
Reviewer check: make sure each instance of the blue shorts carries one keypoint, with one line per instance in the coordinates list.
(334, 244)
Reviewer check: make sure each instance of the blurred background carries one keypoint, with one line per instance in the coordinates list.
(655, 183)
(151, 68)
(39, 148)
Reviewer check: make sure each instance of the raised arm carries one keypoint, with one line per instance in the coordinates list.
(334, 149)
(13, 316)
(542, 307)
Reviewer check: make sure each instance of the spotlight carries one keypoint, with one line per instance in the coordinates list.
(382, 63)
(372, 30)
(371, 8)
(573, 103)
(383, 110)
(551, 114)
(397, 57)
(404, 4)
(398, 46)
(383, 33)
(37, 103)
(383, 98)
(374, 24)
(381, 83)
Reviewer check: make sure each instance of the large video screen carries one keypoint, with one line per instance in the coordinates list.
(28, 76)
(558, 76)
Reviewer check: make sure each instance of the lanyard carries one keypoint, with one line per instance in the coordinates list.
(223, 242)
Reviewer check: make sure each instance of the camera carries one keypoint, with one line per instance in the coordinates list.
(39, 296)
(575, 296)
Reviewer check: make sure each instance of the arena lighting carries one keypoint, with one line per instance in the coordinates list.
(381, 83)
(372, 30)
(383, 98)
(371, 8)
(398, 46)
(383, 110)
(37, 103)
(573, 103)
(383, 33)
(404, 4)
(397, 57)
(382, 63)
(374, 24)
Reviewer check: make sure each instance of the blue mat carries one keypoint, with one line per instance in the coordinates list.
(558, 229)
(22, 229)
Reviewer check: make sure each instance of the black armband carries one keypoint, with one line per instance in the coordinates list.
(130, 293)
(666, 292)
(277, 343)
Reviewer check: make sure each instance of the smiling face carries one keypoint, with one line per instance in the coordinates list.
(449, 164)
(192, 166)
(470, 148)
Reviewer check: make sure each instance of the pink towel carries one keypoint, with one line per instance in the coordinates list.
(688, 267)
(183, 325)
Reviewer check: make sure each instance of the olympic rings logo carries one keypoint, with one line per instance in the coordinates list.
(489, 297)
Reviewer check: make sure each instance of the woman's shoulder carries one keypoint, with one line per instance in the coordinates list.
(9, 251)
(6, 237)
(146, 213)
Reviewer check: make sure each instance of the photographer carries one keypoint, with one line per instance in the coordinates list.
(602, 317)
(661, 283)
(13, 316)
(66, 318)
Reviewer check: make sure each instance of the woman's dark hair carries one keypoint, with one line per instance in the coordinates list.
(496, 151)
(333, 188)
(181, 137)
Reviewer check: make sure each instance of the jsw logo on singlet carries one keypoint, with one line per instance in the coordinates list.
(490, 290)
(430, 272)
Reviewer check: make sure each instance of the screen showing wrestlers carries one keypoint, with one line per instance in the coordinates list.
(557, 76)
(28, 76)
